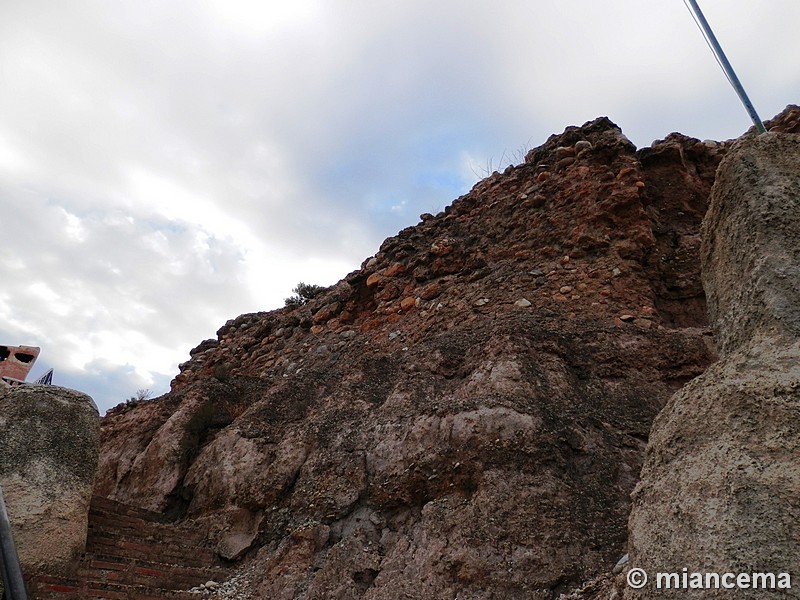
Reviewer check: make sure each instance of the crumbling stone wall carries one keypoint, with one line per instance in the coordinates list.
(16, 362)
(466, 414)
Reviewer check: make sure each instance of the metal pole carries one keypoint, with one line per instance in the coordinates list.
(14, 583)
(726, 66)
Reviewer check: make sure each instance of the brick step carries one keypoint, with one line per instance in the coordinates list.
(110, 515)
(100, 505)
(134, 554)
(124, 520)
(143, 530)
(152, 550)
(45, 587)
(146, 573)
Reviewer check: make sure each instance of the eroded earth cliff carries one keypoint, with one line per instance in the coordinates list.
(463, 417)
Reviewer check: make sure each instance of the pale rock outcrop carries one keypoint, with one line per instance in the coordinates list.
(720, 488)
(751, 249)
(49, 440)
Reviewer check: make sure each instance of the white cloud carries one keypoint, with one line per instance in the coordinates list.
(256, 17)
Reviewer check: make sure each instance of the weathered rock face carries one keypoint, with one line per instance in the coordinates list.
(464, 415)
(751, 254)
(720, 488)
(49, 440)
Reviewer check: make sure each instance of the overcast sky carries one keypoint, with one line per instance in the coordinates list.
(168, 165)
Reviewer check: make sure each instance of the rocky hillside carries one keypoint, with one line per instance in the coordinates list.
(463, 417)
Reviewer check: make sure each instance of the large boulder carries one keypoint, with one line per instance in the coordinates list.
(49, 439)
(720, 487)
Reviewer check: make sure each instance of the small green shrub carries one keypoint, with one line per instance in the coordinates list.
(303, 292)
(141, 396)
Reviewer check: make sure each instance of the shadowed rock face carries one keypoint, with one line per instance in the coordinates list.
(466, 414)
(720, 488)
(49, 439)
